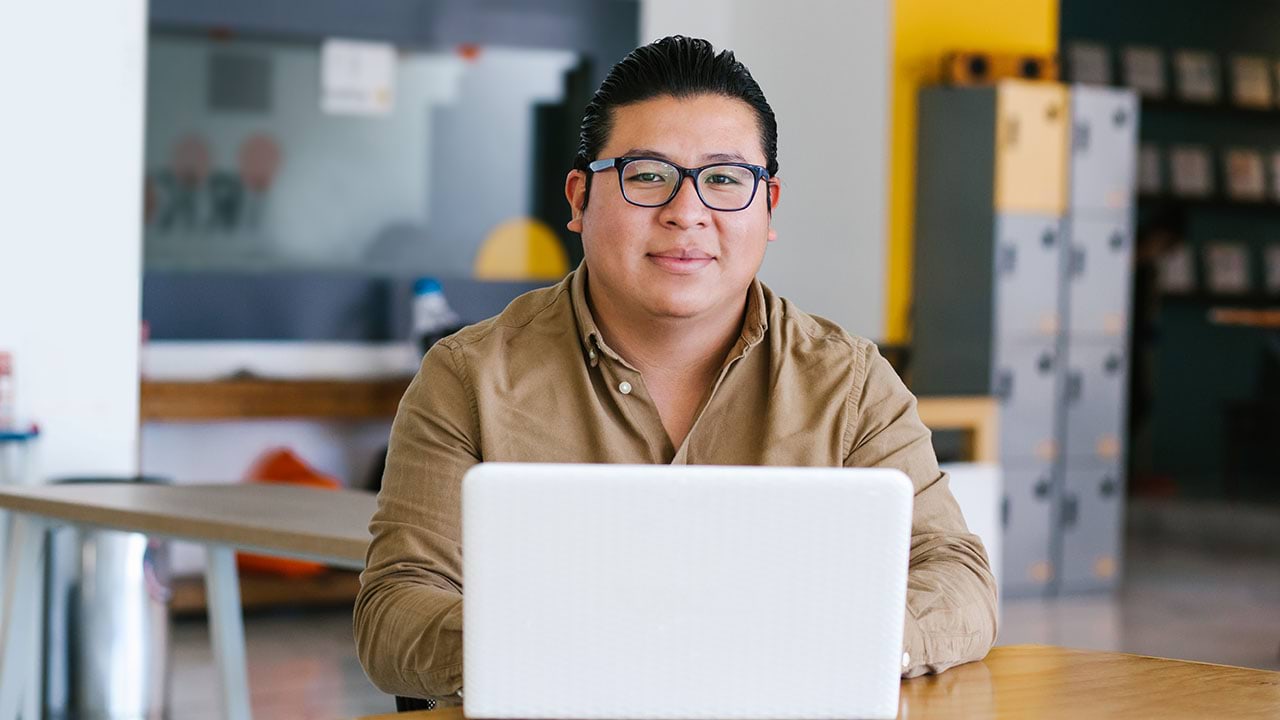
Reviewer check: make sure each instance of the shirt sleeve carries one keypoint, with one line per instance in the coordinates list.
(408, 613)
(951, 593)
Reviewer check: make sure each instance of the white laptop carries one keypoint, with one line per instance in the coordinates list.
(638, 591)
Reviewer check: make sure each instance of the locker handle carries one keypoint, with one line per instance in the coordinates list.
(1004, 385)
(1075, 385)
(1042, 488)
(1070, 511)
(1112, 364)
(1108, 487)
(1045, 364)
(1080, 137)
(1120, 117)
(1076, 267)
(1117, 240)
(1008, 259)
(1011, 131)
(1004, 512)
(1048, 238)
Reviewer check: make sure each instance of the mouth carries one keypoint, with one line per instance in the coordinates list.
(681, 262)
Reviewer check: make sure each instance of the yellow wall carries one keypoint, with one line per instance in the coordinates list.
(924, 30)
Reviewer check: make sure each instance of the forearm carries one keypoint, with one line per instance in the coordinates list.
(951, 604)
(408, 614)
(409, 638)
(951, 594)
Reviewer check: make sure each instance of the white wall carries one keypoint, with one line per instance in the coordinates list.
(71, 129)
(824, 66)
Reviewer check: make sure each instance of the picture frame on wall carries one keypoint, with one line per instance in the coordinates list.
(1090, 63)
(1150, 170)
(1275, 175)
(1197, 76)
(1245, 174)
(1190, 171)
(1226, 267)
(1144, 71)
(1271, 263)
(1176, 271)
(1275, 77)
(1251, 81)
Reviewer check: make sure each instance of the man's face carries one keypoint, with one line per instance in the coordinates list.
(681, 260)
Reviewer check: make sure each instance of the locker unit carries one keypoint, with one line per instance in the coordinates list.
(1104, 149)
(1026, 384)
(1099, 268)
(1027, 515)
(1096, 307)
(1094, 401)
(1027, 253)
(1092, 526)
(1031, 154)
(1024, 242)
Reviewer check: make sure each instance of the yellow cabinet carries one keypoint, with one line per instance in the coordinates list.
(1032, 121)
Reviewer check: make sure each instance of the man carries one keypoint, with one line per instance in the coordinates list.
(662, 347)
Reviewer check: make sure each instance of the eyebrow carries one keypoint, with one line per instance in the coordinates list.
(712, 157)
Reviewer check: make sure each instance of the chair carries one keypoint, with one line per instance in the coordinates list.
(408, 704)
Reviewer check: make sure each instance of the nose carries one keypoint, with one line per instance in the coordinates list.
(685, 209)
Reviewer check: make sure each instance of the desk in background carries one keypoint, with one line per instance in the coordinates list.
(286, 521)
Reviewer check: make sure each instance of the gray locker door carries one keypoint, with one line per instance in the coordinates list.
(1025, 381)
(1099, 275)
(1028, 253)
(1092, 526)
(1096, 386)
(1027, 515)
(1104, 142)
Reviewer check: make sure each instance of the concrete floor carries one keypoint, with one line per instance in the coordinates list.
(1183, 601)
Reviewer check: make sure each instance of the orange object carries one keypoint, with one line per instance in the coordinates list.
(982, 68)
(282, 465)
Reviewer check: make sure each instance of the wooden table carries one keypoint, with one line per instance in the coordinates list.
(1040, 681)
(286, 521)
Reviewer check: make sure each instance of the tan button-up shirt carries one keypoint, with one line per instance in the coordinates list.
(539, 384)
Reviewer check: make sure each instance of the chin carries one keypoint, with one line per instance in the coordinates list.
(678, 307)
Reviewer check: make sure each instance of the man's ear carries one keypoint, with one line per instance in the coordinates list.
(775, 194)
(575, 191)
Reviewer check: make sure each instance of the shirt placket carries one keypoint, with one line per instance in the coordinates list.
(629, 392)
(682, 454)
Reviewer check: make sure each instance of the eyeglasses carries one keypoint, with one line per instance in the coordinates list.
(650, 182)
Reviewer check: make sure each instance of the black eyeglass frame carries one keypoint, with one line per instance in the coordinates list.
(620, 164)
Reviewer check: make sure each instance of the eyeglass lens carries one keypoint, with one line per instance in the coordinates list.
(722, 187)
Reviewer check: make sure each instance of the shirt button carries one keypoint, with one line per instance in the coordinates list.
(906, 660)
(624, 387)
(591, 354)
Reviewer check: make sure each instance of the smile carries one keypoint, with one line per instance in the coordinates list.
(681, 263)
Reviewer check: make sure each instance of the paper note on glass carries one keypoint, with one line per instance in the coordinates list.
(357, 78)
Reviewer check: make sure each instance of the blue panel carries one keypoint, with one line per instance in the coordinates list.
(302, 306)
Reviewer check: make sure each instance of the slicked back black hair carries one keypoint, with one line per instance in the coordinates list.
(681, 67)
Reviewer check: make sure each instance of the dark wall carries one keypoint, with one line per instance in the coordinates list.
(1201, 375)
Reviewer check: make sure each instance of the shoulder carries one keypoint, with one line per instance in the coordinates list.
(535, 311)
(813, 338)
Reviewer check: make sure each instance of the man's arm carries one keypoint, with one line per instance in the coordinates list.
(408, 614)
(951, 594)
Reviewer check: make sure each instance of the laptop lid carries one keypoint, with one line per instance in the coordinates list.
(624, 591)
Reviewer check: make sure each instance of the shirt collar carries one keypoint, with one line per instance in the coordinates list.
(754, 325)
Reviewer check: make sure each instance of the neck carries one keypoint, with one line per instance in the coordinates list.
(673, 348)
